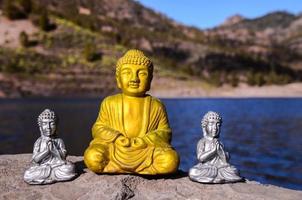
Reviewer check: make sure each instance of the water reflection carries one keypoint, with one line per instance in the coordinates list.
(262, 135)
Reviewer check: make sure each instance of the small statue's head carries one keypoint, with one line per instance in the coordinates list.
(134, 72)
(210, 124)
(47, 122)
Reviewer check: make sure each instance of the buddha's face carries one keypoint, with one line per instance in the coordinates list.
(134, 80)
(213, 128)
(48, 127)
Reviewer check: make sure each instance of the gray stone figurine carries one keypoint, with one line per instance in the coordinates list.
(213, 166)
(49, 163)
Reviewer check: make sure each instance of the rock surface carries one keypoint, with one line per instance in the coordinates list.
(91, 186)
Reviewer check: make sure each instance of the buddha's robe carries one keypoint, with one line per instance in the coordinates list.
(51, 168)
(130, 155)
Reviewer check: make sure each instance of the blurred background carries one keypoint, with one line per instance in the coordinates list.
(217, 48)
(227, 56)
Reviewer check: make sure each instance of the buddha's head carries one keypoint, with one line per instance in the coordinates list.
(47, 122)
(210, 124)
(134, 72)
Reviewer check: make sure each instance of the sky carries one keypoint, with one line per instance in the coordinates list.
(210, 13)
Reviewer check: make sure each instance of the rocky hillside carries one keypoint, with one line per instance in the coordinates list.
(275, 37)
(74, 45)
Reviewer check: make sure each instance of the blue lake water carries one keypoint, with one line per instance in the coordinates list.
(263, 136)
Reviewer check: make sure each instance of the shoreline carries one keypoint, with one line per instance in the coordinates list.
(167, 88)
(162, 87)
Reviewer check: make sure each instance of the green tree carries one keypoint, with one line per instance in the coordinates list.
(9, 9)
(215, 78)
(26, 6)
(16, 9)
(250, 78)
(259, 79)
(234, 80)
(44, 23)
(23, 38)
(255, 78)
(89, 52)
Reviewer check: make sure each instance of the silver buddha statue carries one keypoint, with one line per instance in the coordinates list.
(49, 163)
(213, 166)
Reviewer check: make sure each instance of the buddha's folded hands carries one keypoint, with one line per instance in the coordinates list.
(134, 143)
(122, 141)
(138, 143)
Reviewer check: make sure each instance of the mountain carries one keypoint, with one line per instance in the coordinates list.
(85, 37)
(277, 19)
(275, 37)
(235, 19)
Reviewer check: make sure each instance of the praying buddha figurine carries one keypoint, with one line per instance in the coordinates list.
(49, 163)
(213, 166)
(132, 133)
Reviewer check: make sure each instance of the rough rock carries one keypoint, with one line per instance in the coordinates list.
(91, 186)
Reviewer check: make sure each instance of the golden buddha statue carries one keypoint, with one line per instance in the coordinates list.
(132, 133)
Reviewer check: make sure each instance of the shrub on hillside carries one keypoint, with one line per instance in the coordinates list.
(17, 9)
(26, 62)
(26, 6)
(234, 80)
(90, 53)
(215, 78)
(255, 79)
(23, 39)
(44, 23)
(274, 78)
